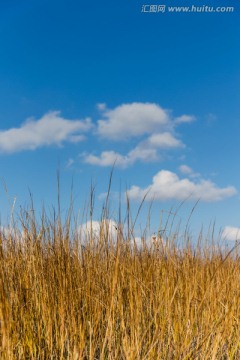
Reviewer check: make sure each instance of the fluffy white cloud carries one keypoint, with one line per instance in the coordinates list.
(164, 140)
(231, 233)
(51, 129)
(166, 185)
(130, 120)
(109, 158)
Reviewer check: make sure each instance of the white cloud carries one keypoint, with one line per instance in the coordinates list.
(164, 140)
(136, 119)
(130, 120)
(109, 158)
(166, 185)
(231, 233)
(184, 119)
(96, 229)
(51, 129)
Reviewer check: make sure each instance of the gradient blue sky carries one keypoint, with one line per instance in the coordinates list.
(85, 83)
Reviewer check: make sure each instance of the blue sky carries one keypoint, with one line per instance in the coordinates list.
(83, 84)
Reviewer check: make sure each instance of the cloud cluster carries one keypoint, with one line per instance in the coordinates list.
(145, 151)
(96, 230)
(148, 126)
(167, 185)
(147, 121)
(51, 129)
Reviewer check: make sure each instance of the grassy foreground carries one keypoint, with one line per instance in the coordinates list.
(105, 299)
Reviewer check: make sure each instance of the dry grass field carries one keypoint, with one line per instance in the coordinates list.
(65, 297)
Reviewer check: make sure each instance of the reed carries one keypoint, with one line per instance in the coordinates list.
(67, 294)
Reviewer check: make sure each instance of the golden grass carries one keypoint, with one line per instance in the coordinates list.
(112, 300)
